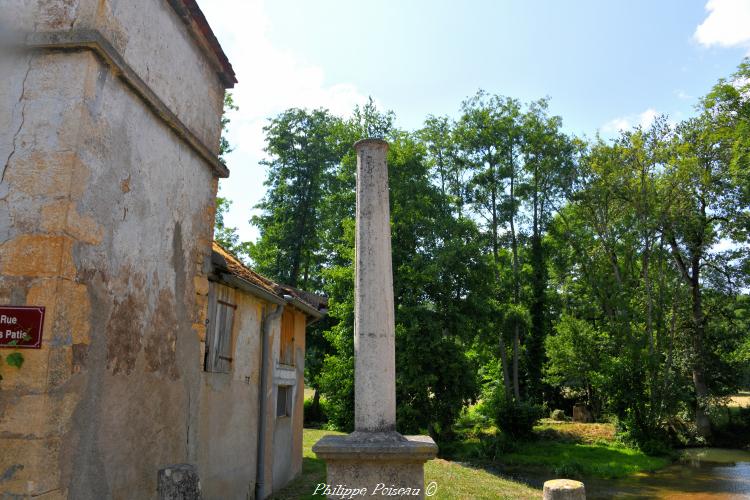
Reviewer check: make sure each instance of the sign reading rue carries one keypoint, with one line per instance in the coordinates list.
(21, 327)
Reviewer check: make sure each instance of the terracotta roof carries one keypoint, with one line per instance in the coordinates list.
(239, 270)
(192, 15)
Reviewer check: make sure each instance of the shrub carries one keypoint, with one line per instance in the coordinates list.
(558, 415)
(315, 416)
(516, 418)
(494, 447)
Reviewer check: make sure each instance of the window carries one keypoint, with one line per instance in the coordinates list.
(284, 401)
(221, 309)
(286, 352)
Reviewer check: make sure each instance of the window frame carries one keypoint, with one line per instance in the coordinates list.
(288, 391)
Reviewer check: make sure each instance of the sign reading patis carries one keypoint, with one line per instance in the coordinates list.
(21, 327)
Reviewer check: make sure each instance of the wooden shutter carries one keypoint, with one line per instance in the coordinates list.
(286, 353)
(221, 310)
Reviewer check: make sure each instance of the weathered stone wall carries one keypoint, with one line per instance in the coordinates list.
(287, 431)
(106, 212)
(228, 437)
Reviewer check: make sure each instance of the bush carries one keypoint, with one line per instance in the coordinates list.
(494, 447)
(315, 416)
(558, 415)
(733, 430)
(516, 418)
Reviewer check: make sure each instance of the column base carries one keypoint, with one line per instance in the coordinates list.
(364, 464)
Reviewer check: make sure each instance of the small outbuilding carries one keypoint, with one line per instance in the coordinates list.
(253, 379)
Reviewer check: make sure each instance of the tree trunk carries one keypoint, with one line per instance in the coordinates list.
(504, 363)
(516, 385)
(535, 341)
(496, 257)
(702, 423)
(516, 281)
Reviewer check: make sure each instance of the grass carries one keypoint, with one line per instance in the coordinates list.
(561, 449)
(575, 432)
(581, 450)
(582, 460)
(741, 400)
(454, 480)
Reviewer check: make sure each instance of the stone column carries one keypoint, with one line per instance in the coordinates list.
(374, 322)
(374, 458)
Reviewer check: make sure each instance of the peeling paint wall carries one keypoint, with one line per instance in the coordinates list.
(228, 416)
(105, 219)
(286, 432)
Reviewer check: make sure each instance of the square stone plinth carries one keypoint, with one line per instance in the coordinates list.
(366, 464)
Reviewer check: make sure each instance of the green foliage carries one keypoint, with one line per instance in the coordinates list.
(578, 355)
(583, 460)
(315, 415)
(224, 147)
(14, 359)
(304, 148)
(517, 418)
(227, 236)
(536, 267)
(558, 415)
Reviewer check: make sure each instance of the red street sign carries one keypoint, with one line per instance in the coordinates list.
(21, 327)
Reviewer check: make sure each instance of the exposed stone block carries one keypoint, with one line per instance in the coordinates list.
(201, 285)
(30, 466)
(37, 255)
(179, 482)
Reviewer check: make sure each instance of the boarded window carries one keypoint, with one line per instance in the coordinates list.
(221, 309)
(286, 353)
(284, 401)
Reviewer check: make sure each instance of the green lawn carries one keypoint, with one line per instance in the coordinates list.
(562, 449)
(454, 480)
(574, 460)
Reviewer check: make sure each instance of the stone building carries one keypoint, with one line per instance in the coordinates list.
(254, 377)
(109, 133)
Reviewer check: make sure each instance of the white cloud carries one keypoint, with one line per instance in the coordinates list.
(646, 118)
(727, 24)
(270, 81)
(624, 123)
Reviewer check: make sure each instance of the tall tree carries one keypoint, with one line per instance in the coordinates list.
(227, 236)
(488, 137)
(701, 204)
(303, 154)
(548, 162)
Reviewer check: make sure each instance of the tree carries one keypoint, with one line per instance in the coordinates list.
(437, 263)
(488, 135)
(548, 162)
(303, 153)
(702, 202)
(227, 236)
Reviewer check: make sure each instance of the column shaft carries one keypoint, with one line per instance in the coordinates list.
(374, 323)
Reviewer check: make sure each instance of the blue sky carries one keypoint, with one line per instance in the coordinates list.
(605, 65)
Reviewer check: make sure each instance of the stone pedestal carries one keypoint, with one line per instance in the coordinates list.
(564, 489)
(375, 459)
(383, 464)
